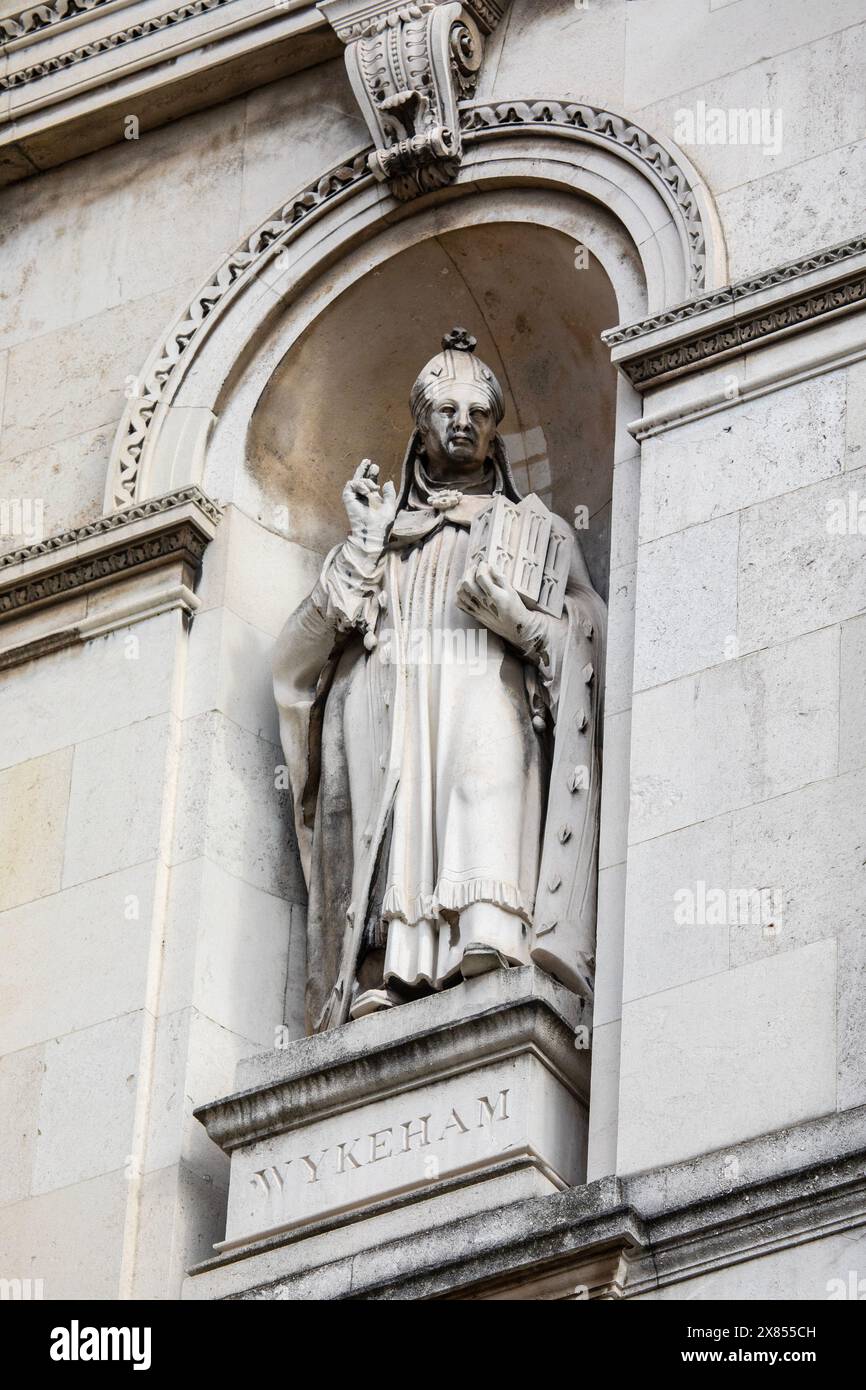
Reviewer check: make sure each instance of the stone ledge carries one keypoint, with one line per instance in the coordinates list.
(613, 1238)
(68, 82)
(389, 1053)
(53, 593)
(736, 319)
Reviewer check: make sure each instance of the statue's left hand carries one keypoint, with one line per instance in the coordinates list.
(486, 594)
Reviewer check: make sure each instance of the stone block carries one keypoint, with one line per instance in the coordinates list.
(607, 1001)
(672, 931)
(229, 669)
(722, 1059)
(227, 948)
(71, 696)
(802, 565)
(734, 735)
(33, 804)
(747, 454)
(94, 1072)
(75, 958)
(230, 809)
(790, 208)
(806, 851)
(85, 1218)
(116, 800)
(604, 1100)
(686, 610)
(852, 706)
(613, 832)
(619, 664)
(20, 1086)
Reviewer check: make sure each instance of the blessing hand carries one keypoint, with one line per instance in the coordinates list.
(370, 509)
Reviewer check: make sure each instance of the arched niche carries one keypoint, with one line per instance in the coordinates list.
(632, 200)
(537, 303)
(265, 390)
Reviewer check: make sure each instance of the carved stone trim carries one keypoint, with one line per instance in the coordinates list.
(177, 526)
(39, 17)
(607, 128)
(732, 294)
(613, 1238)
(103, 45)
(745, 332)
(478, 123)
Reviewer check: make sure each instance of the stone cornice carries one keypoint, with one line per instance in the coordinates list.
(567, 1233)
(741, 289)
(140, 29)
(738, 318)
(35, 19)
(174, 528)
(70, 70)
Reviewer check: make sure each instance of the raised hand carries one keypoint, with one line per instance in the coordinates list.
(370, 509)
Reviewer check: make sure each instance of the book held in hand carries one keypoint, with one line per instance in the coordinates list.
(531, 547)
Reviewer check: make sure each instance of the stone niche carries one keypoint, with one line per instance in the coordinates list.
(537, 303)
(478, 1097)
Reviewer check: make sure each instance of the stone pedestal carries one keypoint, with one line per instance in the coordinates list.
(469, 1100)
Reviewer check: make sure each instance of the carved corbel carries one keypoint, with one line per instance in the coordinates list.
(410, 65)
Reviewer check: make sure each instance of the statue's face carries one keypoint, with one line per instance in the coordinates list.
(460, 430)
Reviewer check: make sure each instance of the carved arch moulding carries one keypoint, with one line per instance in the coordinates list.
(664, 213)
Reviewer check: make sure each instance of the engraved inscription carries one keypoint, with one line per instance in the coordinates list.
(382, 1145)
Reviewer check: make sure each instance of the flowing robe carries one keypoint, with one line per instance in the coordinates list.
(420, 768)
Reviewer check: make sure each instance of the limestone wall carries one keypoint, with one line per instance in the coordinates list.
(151, 906)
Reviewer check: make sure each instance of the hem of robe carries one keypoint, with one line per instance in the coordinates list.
(453, 896)
(431, 952)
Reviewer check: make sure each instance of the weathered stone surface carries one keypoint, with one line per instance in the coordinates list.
(734, 735)
(34, 796)
(758, 450)
(20, 1085)
(816, 879)
(852, 707)
(798, 568)
(230, 808)
(686, 601)
(75, 958)
(116, 800)
(95, 1069)
(669, 942)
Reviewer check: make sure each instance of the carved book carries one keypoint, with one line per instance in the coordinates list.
(530, 545)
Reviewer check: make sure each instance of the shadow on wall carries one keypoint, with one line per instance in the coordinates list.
(536, 302)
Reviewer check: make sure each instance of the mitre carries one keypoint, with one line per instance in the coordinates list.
(456, 363)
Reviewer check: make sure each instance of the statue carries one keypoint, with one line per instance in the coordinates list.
(442, 728)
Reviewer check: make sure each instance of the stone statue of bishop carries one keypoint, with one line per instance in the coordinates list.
(442, 733)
